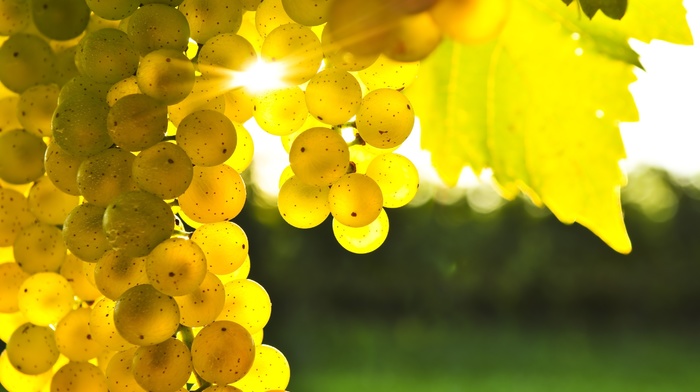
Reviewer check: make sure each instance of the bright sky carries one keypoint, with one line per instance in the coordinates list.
(667, 135)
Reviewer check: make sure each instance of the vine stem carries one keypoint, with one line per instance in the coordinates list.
(187, 338)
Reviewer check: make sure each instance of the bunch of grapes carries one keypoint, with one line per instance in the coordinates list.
(121, 151)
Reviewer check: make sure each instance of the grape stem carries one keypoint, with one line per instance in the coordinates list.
(187, 337)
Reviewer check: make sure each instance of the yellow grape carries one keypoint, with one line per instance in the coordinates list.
(115, 273)
(413, 38)
(72, 270)
(9, 112)
(35, 108)
(145, 316)
(137, 121)
(166, 75)
(216, 194)
(311, 122)
(396, 176)
(14, 215)
(39, 248)
(286, 174)
(79, 377)
(209, 18)
(11, 278)
(164, 367)
(355, 200)
(241, 273)
(9, 322)
(158, 26)
(15, 381)
(48, 203)
(223, 352)
(176, 266)
(319, 156)
(388, 73)
(270, 371)
(122, 88)
(206, 94)
(62, 169)
(269, 15)
(164, 170)
(45, 298)
(25, 61)
(60, 20)
(113, 10)
(15, 16)
(225, 245)
(362, 154)
(106, 55)
(83, 234)
(248, 29)
(103, 328)
(106, 175)
(281, 111)
(207, 136)
(302, 205)
(333, 96)
(247, 304)
(242, 156)
(239, 105)
(363, 239)
(307, 12)
(21, 156)
(203, 305)
(224, 54)
(74, 338)
(119, 376)
(296, 48)
(471, 22)
(32, 349)
(385, 118)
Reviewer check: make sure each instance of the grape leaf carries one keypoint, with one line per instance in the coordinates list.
(540, 106)
(613, 8)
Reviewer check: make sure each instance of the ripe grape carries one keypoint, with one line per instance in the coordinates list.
(80, 122)
(158, 26)
(207, 136)
(164, 367)
(15, 381)
(364, 239)
(388, 73)
(203, 305)
(121, 89)
(176, 266)
(413, 38)
(385, 118)
(225, 245)
(14, 16)
(242, 156)
(83, 234)
(206, 95)
(216, 194)
(302, 205)
(319, 156)
(32, 349)
(21, 156)
(120, 377)
(25, 61)
(307, 12)
(164, 170)
(137, 121)
(79, 377)
(247, 304)
(355, 200)
(62, 169)
(102, 326)
(60, 19)
(269, 15)
(113, 10)
(74, 338)
(14, 215)
(208, 18)
(223, 352)
(333, 96)
(224, 54)
(11, 278)
(35, 108)
(166, 75)
(106, 175)
(39, 247)
(396, 176)
(48, 203)
(115, 273)
(270, 371)
(45, 298)
(9, 114)
(297, 49)
(145, 316)
(281, 111)
(107, 56)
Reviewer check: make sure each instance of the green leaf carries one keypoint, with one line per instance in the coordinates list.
(540, 106)
(612, 8)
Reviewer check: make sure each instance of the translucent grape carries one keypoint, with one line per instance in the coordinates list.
(163, 367)
(65, 65)
(302, 205)
(35, 108)
(83, 234)
(116, 273)
(286, 174)
(241, 273)
(355, 200)
(136, 222)
(103, 328)
(250, 5)
(25, 61)
(242, 156)
(14, 16)
(249, 30)
(72, 270)
(413, 38)
(32, 349)
(269, 15)
(363, 239)
(11, 278)
(106, 175)
(62, 169)
(396, 176)
(239, 105)
(8, 113)
(297, 49)
(121, 89)
(158, 26)
(164, 170)
(333, 96)
(137, 121)
(385, 118)
(225, 245)
(216, 194)
(74, 338)
(48, 203)
(247, 304)
(107, 56)
(145, 316)
(14, 215)
(15, 381)
(45, 298)
(280, 112)
(223, 352)
(82, 87)
(209, 18)
(9, 323)
(270, 371)
(79, 377)
(80, 124)
(113, 10)
(21, 156)
(39, 248)
(207, 136)
(224, 53)
(307, 12)
(166, 75)
(390, 74)
(176, 266)
(60, 19)
(206, 95)
(120, 378)
(319, 156)
(203, 305)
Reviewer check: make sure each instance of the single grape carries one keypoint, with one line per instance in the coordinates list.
(413, 38)
(164, 170)
(136, 222)
(21, 156)
(206, 94)
(122, 88)
(281, 111)
(224, 54)
(158, 26)
(15, 16)
(106, 175)
(82, 87)
(35, 108)
(239, 105)
(223, 352)
(11, 278)
(176, 266)
(32, 349)
(113, 10)
(137, 121)
(396, 176)
(102, 326)
(269, 15)
(302, 205)
(247, 304)
(39, 247)
(166, 75)
(240, 273)
(242, 156)
(203, 305)
(207, 136)
(15, 381)
(45, 298)
(297, 49)
(164, 367)
(115, 273)
(225, 245)
(107, 56)
(14, 215)
(145, 316)
(74, 338)
(333, 96)
(390, 74)
(79, 377)
(216, 194)
(48, 203)
(80, 123)
(62, 169)
(120, 377)
(364, 239)
(385, 118)
(209, 18)
(60, 19)
(25, 61)
(270, 371)
(83, 234)
(319, 156)
(307, 12)
(355, 200)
